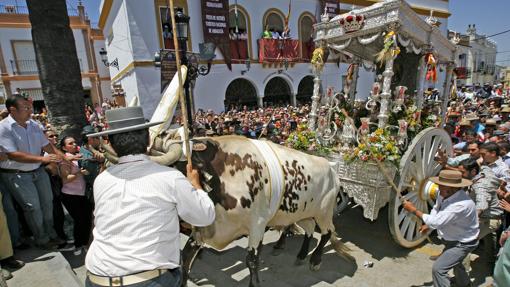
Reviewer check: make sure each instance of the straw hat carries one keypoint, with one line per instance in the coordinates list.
(452, 178)
(465, 122)
(490, 122)
(124, 120)
(505, 110)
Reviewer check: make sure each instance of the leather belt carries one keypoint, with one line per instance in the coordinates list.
(6, 170)
(125, 280)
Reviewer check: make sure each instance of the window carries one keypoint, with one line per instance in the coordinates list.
(238, 21)
(305, 36)
(274, 22)
(24, 62)
(165, 23)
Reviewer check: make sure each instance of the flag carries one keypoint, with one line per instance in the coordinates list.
(237, 17)
(287, 19)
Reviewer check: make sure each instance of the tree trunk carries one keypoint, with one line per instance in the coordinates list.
(59, 69)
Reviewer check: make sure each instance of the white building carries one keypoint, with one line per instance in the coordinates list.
(476, 58)
(134, 32)
(18, 66)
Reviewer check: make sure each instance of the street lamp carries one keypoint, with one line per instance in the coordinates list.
(104, 59)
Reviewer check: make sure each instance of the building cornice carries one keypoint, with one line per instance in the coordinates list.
(425, 11)
(130, 67)
(105, 11)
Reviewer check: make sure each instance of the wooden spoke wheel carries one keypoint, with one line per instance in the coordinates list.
(416, 167)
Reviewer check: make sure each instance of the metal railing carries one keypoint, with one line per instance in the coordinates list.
(23, 10)
(29, 67)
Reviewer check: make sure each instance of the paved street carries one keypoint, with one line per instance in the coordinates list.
(369, 241)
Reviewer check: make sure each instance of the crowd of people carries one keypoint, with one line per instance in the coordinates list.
(45, 183)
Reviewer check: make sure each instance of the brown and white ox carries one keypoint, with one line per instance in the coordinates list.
(240, 183)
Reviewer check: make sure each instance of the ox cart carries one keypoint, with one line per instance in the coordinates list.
(407, 52)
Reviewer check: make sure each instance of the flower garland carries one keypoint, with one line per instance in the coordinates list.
(390, 48)
(378, 146)
(305, 140)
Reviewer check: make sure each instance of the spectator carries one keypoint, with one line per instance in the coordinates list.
(92, 159)
(483, 193)
(26, 180)
(73, 196)
(490, 154)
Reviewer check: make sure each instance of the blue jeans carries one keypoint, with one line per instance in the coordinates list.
(10, 213)
(172, 278)
(33, 192)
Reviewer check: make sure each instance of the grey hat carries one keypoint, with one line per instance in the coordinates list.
(125, 120)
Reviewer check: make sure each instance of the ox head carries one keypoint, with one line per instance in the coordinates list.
(208, 158)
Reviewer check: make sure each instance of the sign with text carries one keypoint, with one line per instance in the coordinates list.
(331, 6)
(216, 26)
(168, 68)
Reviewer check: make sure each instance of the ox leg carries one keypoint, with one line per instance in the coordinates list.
(309, 226)
(252, 261)
(189, 253)
(316, 258)
(280, 244)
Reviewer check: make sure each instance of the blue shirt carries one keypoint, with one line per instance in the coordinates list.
(14, 137)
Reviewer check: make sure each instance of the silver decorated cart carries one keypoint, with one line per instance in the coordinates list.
(376, 36)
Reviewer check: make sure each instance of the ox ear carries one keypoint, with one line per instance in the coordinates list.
(199, 146)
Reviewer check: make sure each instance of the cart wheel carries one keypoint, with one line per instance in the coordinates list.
(416, 167)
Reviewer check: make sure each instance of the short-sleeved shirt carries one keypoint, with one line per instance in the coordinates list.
(14, 138)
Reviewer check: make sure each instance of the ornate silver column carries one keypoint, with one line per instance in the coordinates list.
(355, 73)
(421, 83)
(386, 92)
(446, 91)
(312, 119)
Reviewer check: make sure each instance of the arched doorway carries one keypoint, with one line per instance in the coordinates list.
(240, 92)
(277, 92)
(305, 91)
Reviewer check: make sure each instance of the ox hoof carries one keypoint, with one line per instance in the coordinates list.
(299, 262)
(315, 267)
(277, 251)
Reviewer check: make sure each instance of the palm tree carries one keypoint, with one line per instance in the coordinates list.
(59, 69)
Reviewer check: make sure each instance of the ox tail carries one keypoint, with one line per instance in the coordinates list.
(340, 247)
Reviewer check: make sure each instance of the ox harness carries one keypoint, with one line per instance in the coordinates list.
(275, 172)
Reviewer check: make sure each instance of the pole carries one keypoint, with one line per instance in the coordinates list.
(179, 75)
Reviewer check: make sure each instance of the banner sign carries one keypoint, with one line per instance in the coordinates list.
(168, 68)
(216, 26)
(331, 6)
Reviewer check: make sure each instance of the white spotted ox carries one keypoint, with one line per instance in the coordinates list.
(242, 180)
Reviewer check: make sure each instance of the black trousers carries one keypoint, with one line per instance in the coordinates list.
(80, 209)
(58, 210)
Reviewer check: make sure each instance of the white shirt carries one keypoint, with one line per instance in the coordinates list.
(138, 205)
(455, 218)
(14, 137)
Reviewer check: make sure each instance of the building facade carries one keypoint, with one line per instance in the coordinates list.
(18, 66)
(476, 58)
(135, 30)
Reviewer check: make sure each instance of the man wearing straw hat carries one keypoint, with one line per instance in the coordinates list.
(455, 218)
(138, 206)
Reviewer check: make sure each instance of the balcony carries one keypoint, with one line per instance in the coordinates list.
(276, 50)
(29, 67)
(23, 10)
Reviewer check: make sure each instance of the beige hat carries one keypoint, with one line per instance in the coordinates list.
(505, 110)
(451, 178)
(465, 122)
(490, 122)
(472, 117)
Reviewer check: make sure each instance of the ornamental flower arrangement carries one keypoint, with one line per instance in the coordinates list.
(305, 140)
(378, 146)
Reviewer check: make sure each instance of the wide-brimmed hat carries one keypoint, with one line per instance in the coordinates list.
(491, 122)
(125, 120)
(465, 122)
(451, 178)
(505, 110)
(471, 117)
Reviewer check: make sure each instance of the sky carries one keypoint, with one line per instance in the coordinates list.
(490, 17)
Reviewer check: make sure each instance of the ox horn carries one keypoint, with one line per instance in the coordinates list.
(169, 157)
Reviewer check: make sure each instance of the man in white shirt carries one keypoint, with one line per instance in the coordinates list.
(138, 204)
(23, 140)
(455, 218)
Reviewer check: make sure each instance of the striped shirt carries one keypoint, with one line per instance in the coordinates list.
(138, 206)
(483, 192)
(501, 170)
